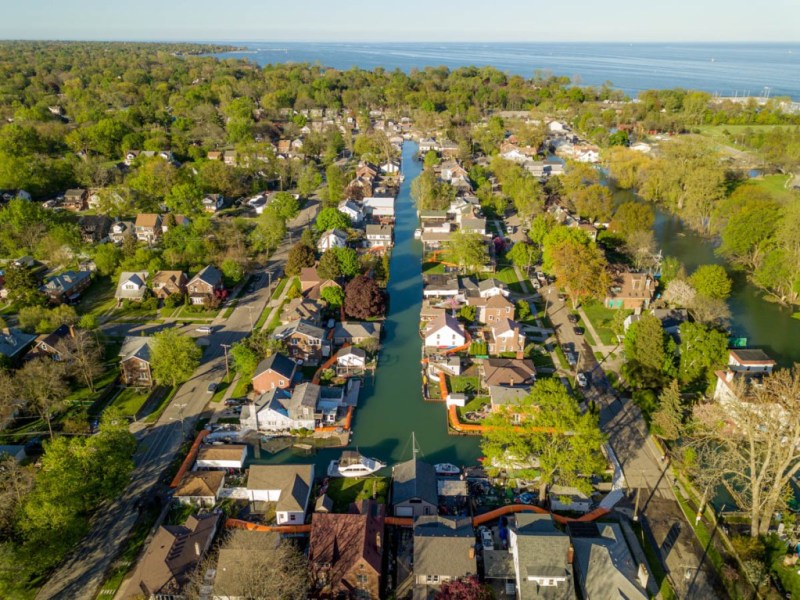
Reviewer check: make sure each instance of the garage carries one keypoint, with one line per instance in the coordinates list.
(403, 511)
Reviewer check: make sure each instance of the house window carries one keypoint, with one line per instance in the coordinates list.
(281, 382)
(292, 517)
(362, 579)
(431, 579)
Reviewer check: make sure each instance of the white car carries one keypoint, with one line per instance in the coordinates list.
(581, 379)
(203, 329)
(487, 541)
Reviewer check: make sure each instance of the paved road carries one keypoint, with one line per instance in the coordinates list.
(83, 573)
(641, 462)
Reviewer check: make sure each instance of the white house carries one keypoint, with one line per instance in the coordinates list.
(351, 357)
(379, 206)
(333, 238)
(289, 486)
(278, 410)
(379, 236)
(750, 360)
(444, 332)
(428, 144)
(221, 457)
(390, 168)
(131, 286)
(354, 211)
(569, 498)
(213, 202)
(258, 203)
(491, 287)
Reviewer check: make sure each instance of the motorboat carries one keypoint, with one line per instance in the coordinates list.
(446, 469)
(353, 464)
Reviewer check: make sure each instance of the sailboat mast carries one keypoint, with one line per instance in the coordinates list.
(414, 445)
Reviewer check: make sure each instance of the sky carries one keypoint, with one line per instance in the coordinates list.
(410, 20)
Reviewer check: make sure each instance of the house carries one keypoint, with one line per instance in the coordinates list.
(17, 452)
(473, 225)
(379, 206)
(288, 486)
(414, 491)
(134, 361)
(440, 286)
(148, 227)
(302, 308)
(493, 309)
(355, 332)
(121, 230)
(501, 397)
(305, 341)
(350, 359)
(75, 200)
(66, 286)
(379, 236)
(444, 332)
(206, 286)
(450, 169)
(230, 456)
(491, 287)
(173, 220)
(603, 563)
(47, 344)
(542, 558)
(13, 342)
(277, 371)
(390, 168)
(131, 286)
(168, 283)
(750, 360)
(311, 285)
(213, 203)
(427, 144)
(352, 210)
(95, 228)
(448, 148)
(233, 574)
(229, 157)
(279, 410)
(506, 336)
(432, 240)
(258, 203)
(171, 557)
(200, 488)
(630, 290)
(671, 318)
(26, 262)
(563, 497)
(444, 550)
(333, 238)
(429, 312)
(324, 504)
(507, 371)
(346, 553)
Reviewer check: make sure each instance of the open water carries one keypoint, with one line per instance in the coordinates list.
(724, 68)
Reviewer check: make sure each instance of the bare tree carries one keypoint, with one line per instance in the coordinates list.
(15, 483)
(41, 384)
(9, 399)
(82, 355)
(751, 442)
(254, 565)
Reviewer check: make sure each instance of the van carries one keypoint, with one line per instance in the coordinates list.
(203, 329)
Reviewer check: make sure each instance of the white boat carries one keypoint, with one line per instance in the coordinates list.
(353, 464)
(446, 469)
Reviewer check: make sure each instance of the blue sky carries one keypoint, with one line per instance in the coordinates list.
(410, 20)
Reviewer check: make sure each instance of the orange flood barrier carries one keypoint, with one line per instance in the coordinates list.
(187, 462)
(238, 524)
(470, 427)
(515, 508)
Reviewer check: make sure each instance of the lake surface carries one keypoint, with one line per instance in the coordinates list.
(727, 69)
(391, 406)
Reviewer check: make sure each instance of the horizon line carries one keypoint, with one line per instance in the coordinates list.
(381, 42)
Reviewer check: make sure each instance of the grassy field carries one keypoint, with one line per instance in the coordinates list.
(432, 268)
(473, 405)
(776, 185)
(156, 414)
(98, 298)
(601, 319)
(346, 490)
(130, 400)
(463, 384)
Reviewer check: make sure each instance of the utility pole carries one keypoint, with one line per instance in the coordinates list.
(638, 493)
(227, 368)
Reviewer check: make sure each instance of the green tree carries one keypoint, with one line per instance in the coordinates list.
(581, 268)
(285, 205)
(335, 183)
(41, 384)
(22, 286)
(467, 313)
(671, 268)
(523, 310)
(333, 295)
(668, 418)
(431, 159)
(331, 218)
(632, 216)
(349, 264)
(328, 267)
(269, 231)
(468, 250)
(649, 352)
(232, 269)
(702, 351)
(107, 258)
(547, 427)
(554, 237)
(245, 359)
(594, 202)
(300, 257)
(309, 181)
(174, 358)
(711, 281)
(524, 256)
(185, 199)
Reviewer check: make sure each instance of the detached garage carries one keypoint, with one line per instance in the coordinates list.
(221, 457)
(414, 491)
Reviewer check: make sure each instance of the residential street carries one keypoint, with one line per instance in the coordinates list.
(83, 573)
(641, 462)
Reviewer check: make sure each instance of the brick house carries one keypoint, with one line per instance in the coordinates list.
(206, 285)
(277, 371)
(75, 200)
(493, 309)
(66, 286)
(633, 291)
(166, 283)
(148, 227)
(506, 336)
(134, 362)
(305, 341)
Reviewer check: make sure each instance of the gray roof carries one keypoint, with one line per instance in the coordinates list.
(302, 327)
(294, 482)
(385, 230)
(347, 350)
(210, 275)
(277, 362)
(542, 551)
(414, 479)
(507, 395)
(473, 223)
(442, 546)
(303, 402)
(498, 564)
(357, 329)
(441, 282)
(606, 570)
(488, 284)
(65, 281)
(137, 277)
(136, 347)
(13, 341)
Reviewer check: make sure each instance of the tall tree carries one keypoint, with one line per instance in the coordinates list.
(468, 250)
(175, 357)
(649, 352)
(548, 437)
(668, 418)
(711, 281)
(632, 216)
(363, 299)
(524, 256)
(702, 350)
(594, 202)
(349, 264)
(285, 205)
(82, 355)
(328, 267)
(300, 257)
(582, 269)
(331, 218)
(41, 384)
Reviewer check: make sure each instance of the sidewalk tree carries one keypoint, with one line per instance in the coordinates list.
(331, 218)
(174, 358)
(300, 257)
(524, 256)
(245, 359)
(285, 205)
(546, 426)
(711, 281)
(309, 181)
(468, 250)
(581, 268)
(334, 188)
(363, 299)
(328, 267)
(752, 443)
(555, 236)
(668, 418)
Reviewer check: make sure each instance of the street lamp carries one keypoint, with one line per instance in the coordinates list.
(250, 312)
(180, 408)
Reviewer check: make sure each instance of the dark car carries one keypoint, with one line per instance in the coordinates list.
(212, 387)
(577, 330)
(572, 318)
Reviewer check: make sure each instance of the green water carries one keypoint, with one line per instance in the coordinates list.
(391, 406)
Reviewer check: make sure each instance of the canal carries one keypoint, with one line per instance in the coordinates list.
(391, 406)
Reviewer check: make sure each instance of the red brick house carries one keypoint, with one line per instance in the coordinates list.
(135, 362)
(166, 283)
(277, 371)
(206, 286)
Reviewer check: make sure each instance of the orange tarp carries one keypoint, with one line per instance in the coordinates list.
(187, 462)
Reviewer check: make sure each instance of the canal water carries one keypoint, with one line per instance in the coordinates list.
(391, 407)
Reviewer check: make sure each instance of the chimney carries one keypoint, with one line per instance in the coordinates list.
(72, 331)
(570, 554)
(471, 553)
(642, 576)
(510, 382)
(729, 376)
(378, 540)
(197, 549)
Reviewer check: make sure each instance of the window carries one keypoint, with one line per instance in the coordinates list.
(281, 383)
(293, 517)
(431, 579)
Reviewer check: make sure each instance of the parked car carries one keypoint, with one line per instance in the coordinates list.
(581, 379)
(233, 402)
(487, 540)
(577, 330)
(212, 387)
(204, 329)
(572, 358)
(572, 318)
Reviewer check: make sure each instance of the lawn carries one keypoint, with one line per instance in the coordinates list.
(562, 359)
(276, 317)
(156, 414)
(601, 319)
(231, 307)
(463, 384)
(432, 268)
(541, 359)
(222, 387)
(346, 490)
(130, 400)
(98, 298)
(279, 290)
(473, 405)
(185, 313)
(775, 185)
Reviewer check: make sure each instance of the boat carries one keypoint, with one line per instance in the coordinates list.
(446, 469)
(353, 464)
